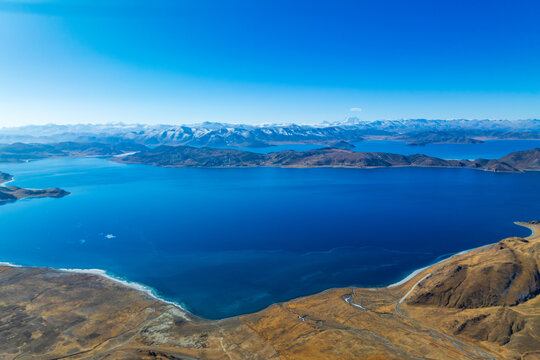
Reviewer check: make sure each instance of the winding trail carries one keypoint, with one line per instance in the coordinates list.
(457, 342)
(461, 345)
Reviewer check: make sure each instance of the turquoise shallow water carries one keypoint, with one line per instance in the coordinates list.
(230, 241)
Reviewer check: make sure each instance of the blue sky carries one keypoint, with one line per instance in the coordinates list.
(267, 61)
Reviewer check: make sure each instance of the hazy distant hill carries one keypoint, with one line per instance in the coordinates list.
(413, 131)
(18, 152)
(190, 156)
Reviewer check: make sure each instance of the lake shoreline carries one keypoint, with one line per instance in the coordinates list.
(151, 292)
(78, 226)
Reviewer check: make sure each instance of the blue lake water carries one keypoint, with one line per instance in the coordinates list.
(229, 241)
(492, 149)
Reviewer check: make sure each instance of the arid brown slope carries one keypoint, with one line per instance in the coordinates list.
(485, 310)
(502, 275)
(47, 314)
(489, 295)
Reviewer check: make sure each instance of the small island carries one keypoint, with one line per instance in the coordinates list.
(14, 193)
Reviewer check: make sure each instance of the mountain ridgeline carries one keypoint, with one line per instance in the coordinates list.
(187, 156)
(412, 131)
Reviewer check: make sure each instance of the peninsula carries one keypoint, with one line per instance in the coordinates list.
(21, 152)
(188, 156)
(339, 155)
(480, 304)
(13, 193)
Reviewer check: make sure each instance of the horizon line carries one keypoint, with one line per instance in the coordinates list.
(322, 123)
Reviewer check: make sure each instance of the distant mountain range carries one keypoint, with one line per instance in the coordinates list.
(412, 131)
(20, 152)
(188, 156)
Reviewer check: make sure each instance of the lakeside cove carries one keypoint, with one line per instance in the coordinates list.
(444, 312)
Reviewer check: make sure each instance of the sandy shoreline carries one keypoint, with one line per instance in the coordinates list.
(131, 284)
(528, 226)
(7, 182)
(103, 273)
(419, 271)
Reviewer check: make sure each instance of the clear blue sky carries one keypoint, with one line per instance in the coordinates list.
(267, 61)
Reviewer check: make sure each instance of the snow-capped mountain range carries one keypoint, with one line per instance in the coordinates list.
(415, 131)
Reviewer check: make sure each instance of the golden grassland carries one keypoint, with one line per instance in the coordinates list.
(482, 304)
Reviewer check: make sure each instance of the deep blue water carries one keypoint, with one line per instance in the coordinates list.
(230, 241)
(492, 149)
